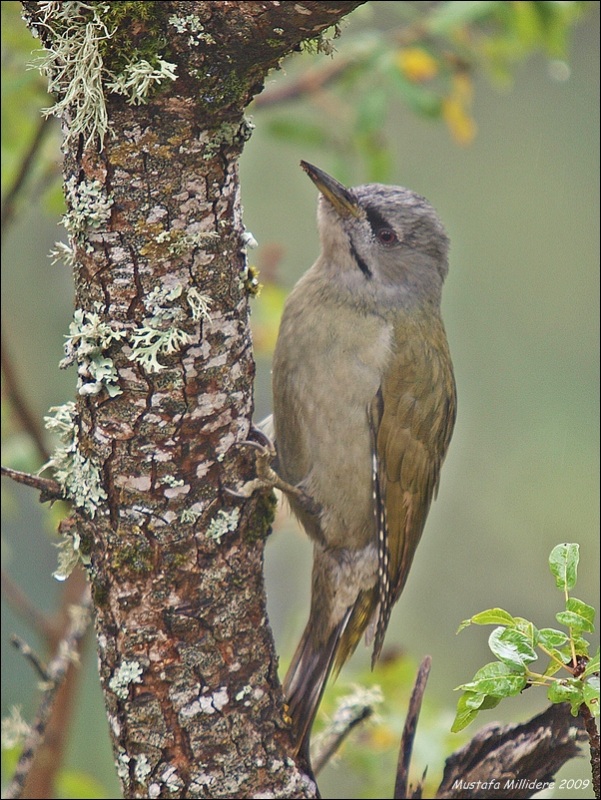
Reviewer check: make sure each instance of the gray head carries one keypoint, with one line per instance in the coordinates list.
(385, 241)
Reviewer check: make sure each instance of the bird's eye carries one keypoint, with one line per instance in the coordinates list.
(386, 236)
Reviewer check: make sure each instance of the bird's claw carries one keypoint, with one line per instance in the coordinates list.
(266, 476)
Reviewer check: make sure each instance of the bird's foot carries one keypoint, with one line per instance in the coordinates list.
(266, 477)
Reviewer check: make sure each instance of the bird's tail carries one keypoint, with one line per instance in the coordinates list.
(312, 664)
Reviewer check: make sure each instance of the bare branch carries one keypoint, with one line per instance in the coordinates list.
(516, 760)
(307, 83)
(593, 737)
(25, 168)
(31, 656)
(48, 488)
(26, 418)
(415, 704)
(57, 669)
(22, 605)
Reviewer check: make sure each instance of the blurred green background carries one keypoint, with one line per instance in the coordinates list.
(521, 307)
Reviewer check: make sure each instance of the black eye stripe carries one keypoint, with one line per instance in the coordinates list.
(376, 220)
(360, 262)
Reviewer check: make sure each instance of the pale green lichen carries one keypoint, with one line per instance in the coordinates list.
(127, 672)
(171, 480)
(69, 556)
(160, 335)
(192, 25)
(142, 769)
(73, 65)
(349, 709)
(78, 476)
(139, 78)
(149, 343)
(322, 43)
(211, 703)
(14, 729)
(190, 515)
(182, 242)
(88, 204)
(62, 252)
(88, 339)
(224, 522)
(158, 299)
(199, 304)
(172, 780)
(248, 240)
(123, 766)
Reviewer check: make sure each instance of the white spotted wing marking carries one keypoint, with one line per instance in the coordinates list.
(385, 593)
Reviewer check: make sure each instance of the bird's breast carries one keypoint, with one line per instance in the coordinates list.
(328, 367)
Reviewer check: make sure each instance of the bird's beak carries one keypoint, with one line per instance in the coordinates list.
(339, 196)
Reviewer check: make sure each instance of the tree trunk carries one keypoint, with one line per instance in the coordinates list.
(162, 345)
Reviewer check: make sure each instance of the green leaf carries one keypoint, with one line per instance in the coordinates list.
(567, 691)
(305, 133)
(578, 616)
(492, 616)
(372, 110)
(420, 99)
(496, 679)
(551, 638)
(527, 629)
(468, 706)
(448, 16)
(563, 563)
(512, 647)
(590, 693)
(465, 713)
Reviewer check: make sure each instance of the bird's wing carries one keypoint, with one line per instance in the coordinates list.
(412, 420)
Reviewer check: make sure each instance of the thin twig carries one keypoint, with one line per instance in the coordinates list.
(18, 403)
(309, 82)
(406, 749)
(22, 605)
(12, 195)
(57, 670)
(30, 654)
(42, 777)
(333, 742)
(12, 388)
(49, 489)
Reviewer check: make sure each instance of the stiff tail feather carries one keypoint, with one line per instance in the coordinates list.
(313, 662)
(306, 680)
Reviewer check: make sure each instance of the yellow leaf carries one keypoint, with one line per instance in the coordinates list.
(456, 110)
(417, 64)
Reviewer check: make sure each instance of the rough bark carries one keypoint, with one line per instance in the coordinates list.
(187, 662)
(519, 760)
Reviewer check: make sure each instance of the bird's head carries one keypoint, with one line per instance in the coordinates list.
(384, 241)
